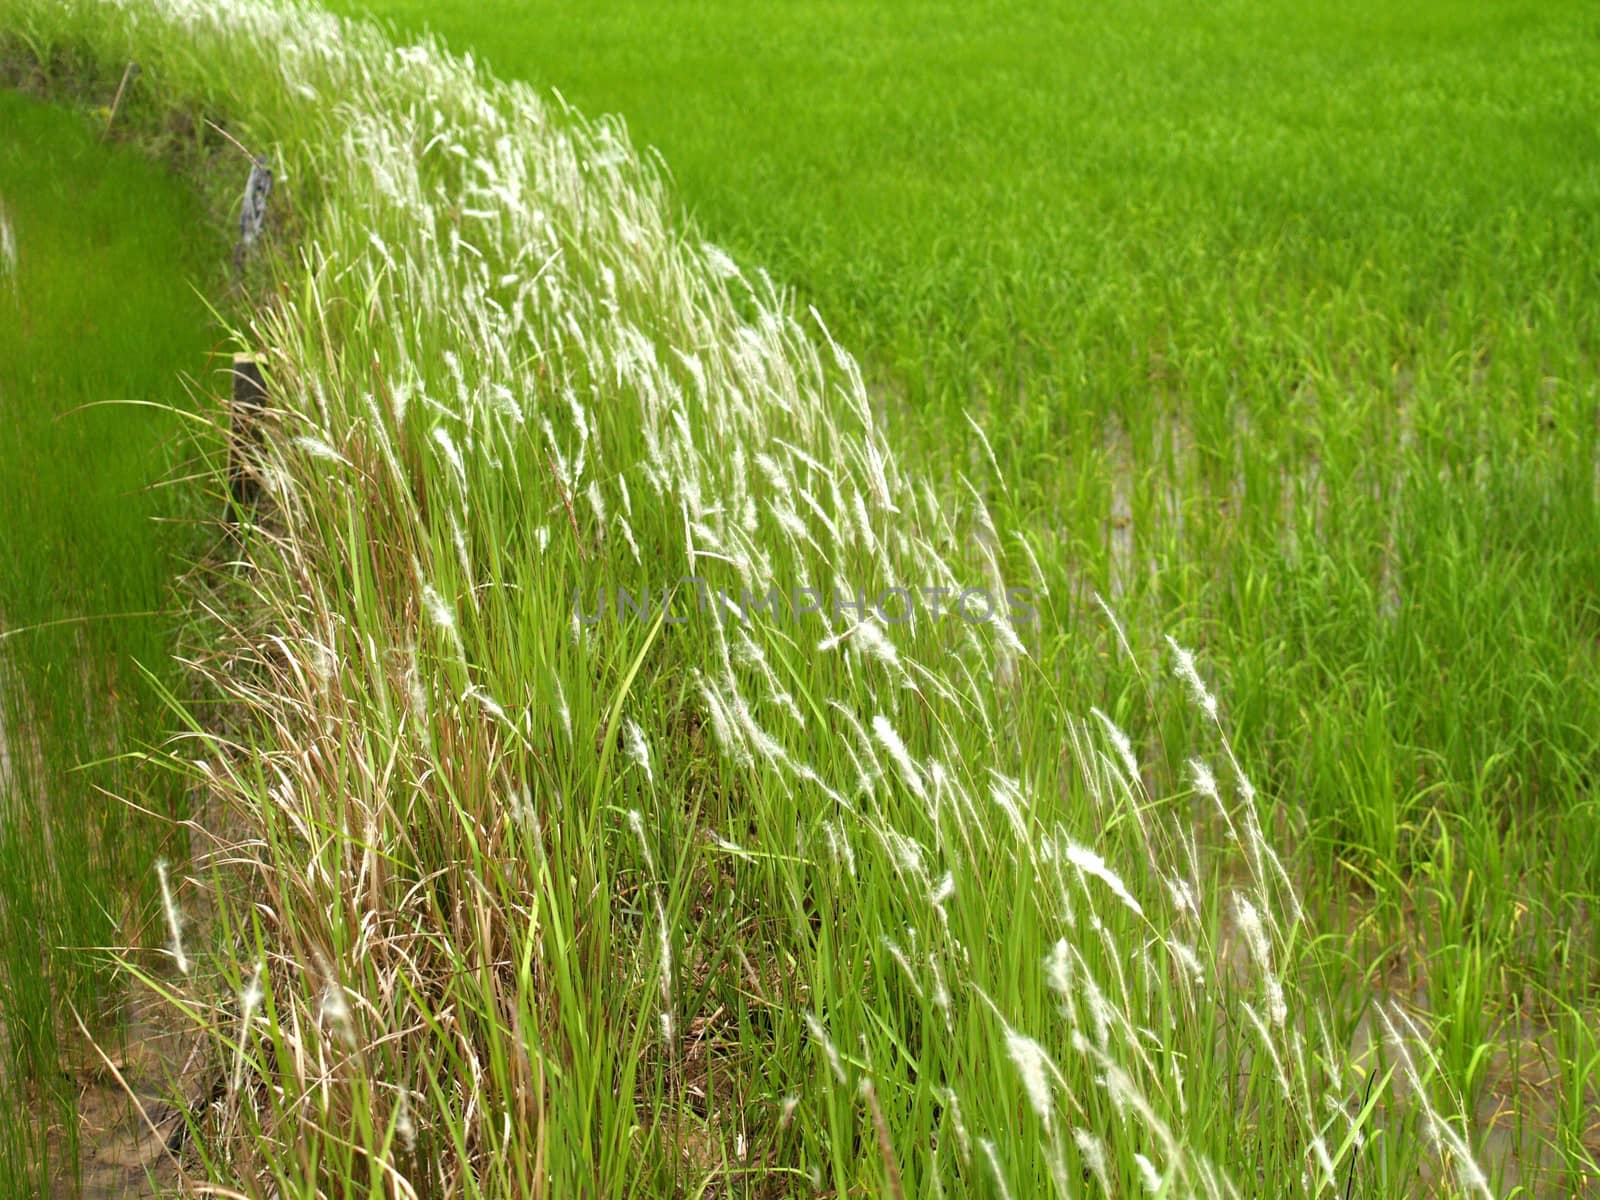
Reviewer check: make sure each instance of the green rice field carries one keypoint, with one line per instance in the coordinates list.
(1280, 322)
(99, 320)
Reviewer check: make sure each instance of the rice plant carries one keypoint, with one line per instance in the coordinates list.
(99, 257)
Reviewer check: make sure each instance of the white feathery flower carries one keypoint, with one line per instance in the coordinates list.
(320, 450)
(636, 823)
(664, 948)
(638, 751)
(774, 473)
(839, 846)
(1120, 741)
(1149, 1176)
(1247, 790)
(8, 246)
(250, 997)
(334, 1011)
(941, 991)
(1100, 1011)
(1006, 635)
(451, 361)
(562, 710)
(1008, 796)
(452, 456)
(1090, 863)
(906, 851)
(766, 746)
(1058, 968)
(627, 536)
(1034, 1066)
(1187, 959)
(439, 610)
(1093, 1152)
(1185, 670)
(894, 950)
(403, 1125)
(722, 267)
(506, 404)
(1255, 936)
(952, 1104)
(863, 521)
(1270, 1047)
(174, 919)
(399, 398)
(723, 724)
(993, 1155)
(869, 640)
(899, 754)
(488, 703)
(1182, 894)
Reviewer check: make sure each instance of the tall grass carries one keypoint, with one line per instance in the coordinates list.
(1277, 319)
(98, 251)
(714, 899)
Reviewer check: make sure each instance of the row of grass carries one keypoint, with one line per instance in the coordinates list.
(99, 316)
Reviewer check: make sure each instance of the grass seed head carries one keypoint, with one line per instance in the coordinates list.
(169, 908)
(1033, 1064)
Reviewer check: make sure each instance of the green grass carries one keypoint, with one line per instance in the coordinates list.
(1282, 330)
(98, 317)
(1068, 211)
(1302, 295)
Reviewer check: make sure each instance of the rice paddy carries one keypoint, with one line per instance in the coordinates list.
(99, 258)
(1228, 378)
